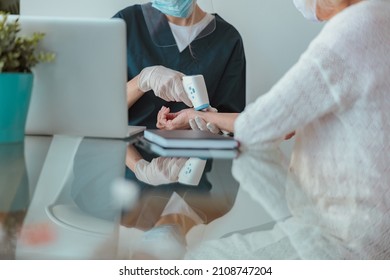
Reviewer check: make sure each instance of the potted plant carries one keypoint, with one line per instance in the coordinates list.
(18, 55)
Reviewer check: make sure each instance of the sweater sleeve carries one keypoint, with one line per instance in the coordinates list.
(320, 83)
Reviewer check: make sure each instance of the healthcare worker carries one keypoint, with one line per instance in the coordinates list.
(337, 100)
(167, 39)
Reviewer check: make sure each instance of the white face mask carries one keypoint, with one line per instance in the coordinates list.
(307, 8)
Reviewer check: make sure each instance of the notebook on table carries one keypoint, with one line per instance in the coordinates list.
(83, 91)
(190, 139)
(204, 153)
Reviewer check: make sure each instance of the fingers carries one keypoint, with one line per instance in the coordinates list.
(186, 100)
(170, 121)
(167, 169)
(179, 93)
(162, 113)
(175, 167)
(166, 84)
(201, 123)
(193, 124)
(162, 118)
(213, 128)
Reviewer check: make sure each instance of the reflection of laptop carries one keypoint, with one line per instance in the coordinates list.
(83, 92)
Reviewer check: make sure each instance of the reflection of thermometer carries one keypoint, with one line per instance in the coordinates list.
(192, 171)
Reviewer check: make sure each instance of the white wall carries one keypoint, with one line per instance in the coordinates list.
(274, 35)
(82, 8)
(74, 8)
(274, 32)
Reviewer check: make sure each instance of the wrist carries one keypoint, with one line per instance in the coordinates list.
(202, 115)
(132, 157)
(133, 91)
(139, 86)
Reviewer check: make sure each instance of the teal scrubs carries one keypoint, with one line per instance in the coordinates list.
(219, 56)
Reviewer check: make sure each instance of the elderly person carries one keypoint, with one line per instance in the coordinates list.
(336, 99)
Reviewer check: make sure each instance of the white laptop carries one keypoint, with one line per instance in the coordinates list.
(82, 92)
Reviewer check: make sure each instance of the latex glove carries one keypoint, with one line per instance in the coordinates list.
(200, 124)
(166, 84)
(159, 171)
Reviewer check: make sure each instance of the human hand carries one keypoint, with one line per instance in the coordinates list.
(166, 84)
(200, 124)
(170, 121)
(159, 171)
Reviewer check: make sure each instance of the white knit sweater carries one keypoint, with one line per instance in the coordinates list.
(337, 99)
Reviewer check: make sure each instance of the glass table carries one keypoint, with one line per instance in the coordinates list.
(67, 197)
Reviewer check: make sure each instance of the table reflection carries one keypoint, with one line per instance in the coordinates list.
(14, 196)
(97, 164)
(169, 210)
(73, 207)
(67, 197)
(58, 223)
(354, 225)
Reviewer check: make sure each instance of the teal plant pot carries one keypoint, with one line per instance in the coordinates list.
(15, 95)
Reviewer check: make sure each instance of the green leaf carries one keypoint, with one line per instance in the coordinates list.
(20, 53)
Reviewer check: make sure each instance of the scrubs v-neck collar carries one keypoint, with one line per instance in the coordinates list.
(160, 30)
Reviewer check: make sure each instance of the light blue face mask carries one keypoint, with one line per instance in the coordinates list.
(175, 8)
